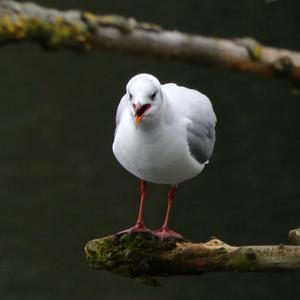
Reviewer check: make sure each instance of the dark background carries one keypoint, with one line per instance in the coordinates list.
(61, 186)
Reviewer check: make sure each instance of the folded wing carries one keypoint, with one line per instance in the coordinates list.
(201, 119)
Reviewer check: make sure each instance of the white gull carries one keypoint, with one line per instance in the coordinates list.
(164, 134)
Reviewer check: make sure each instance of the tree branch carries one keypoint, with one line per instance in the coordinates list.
(294, 236)
(143, 256)
(79, 30)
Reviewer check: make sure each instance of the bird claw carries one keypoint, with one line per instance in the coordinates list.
(134, 229)
(166, 233)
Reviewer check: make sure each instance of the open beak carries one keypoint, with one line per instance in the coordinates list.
(140, 111)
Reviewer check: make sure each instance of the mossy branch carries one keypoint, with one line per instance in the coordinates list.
(79, 30)
(143, 256)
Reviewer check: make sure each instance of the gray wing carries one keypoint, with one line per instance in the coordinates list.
(197, 109)
(201, 139)
(121, 108)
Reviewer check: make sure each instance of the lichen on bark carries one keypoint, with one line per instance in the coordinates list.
(127, 254)
(56, 29)
(52, 30)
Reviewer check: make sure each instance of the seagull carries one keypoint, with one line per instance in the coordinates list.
(165, 134)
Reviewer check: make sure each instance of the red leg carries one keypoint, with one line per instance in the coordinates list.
(144, 192)
(164, 231)
(139, 226)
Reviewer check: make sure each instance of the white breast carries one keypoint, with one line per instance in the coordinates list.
(160, 155)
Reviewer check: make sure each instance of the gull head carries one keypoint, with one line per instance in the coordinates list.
(144, 98)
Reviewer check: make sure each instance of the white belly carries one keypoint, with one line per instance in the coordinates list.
(159, 156)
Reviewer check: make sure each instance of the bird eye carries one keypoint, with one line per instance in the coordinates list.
(130, 96)
(153, 96)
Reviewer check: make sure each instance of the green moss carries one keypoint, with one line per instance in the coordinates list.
(127, 254)
(243, 260)
(257, 51)
(53, 34)
(60, 30)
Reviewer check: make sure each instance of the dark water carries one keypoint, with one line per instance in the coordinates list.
(61, 186)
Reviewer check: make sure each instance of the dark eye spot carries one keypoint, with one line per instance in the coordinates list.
(130, 96)
(153, 96)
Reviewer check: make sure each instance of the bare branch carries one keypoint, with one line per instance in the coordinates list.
(83, 30)
(143, 256)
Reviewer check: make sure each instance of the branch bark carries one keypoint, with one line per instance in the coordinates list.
(143, 256)
(294, 236)
(79, 30)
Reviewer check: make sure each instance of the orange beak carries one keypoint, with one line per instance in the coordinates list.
(140, 111)
(138, 119)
